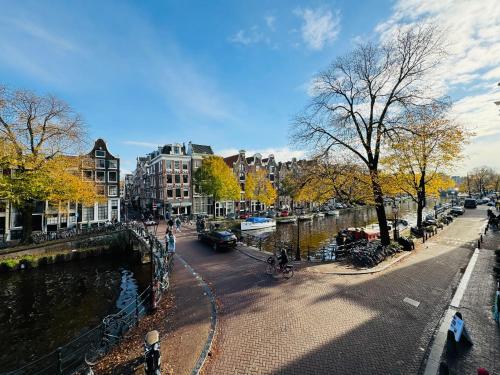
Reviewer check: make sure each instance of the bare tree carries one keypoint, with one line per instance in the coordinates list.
(362, 97)
(482, 179)
(37, 131)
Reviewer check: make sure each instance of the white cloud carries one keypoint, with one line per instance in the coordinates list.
(270, 22)
(471, 30)
(246, 37)
(320, 26)
(280, 153)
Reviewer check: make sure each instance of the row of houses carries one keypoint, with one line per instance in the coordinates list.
(163, 181)
(100, 166)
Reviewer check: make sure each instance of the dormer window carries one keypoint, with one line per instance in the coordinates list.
(100, 154)
(176, 150)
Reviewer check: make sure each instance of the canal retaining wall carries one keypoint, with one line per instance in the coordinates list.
(66, 251)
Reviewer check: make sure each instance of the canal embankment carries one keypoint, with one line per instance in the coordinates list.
(26, 257)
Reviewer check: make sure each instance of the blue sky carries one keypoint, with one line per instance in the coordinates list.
(231, 74)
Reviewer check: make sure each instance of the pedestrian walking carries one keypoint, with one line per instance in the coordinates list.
(178, 224)
(170, 224)
(170, 242)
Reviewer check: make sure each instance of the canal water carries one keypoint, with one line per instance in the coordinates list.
(315, 234)
(44, 308)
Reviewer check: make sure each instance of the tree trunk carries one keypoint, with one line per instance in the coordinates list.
(27, 214)
(420, 200)
(379, 207)
(420, 209)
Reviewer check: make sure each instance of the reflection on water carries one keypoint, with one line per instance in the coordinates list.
(318, 232)
(45, 308)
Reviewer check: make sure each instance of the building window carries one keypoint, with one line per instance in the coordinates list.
(112, 176)
(170, 193)
(169, 178)
(112, 191)
(169, 164)
(184, 165)
(177, 164)
(186, 193)
(177, 193)
(100, 190)
(242, 187)
(102, 212)
(100, 154)
(100, 176)
(51, 219)
(88, 213)
(112, 164)
(114, 209)
(242, 176)
(176, 150)
(271, 177)
(185, 178)
(177, 178)
(100, 163)
(197, 164)
(88, 175)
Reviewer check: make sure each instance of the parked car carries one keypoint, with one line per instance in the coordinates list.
(218, 239)
(490, 204)
(470, 203)
(284, 213)
(231, 216)
(457, 210)
(271, 213)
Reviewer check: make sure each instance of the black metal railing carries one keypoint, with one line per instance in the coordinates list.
(98, 341)
(262, 243)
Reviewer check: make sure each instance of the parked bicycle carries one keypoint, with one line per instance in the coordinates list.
(273, 268)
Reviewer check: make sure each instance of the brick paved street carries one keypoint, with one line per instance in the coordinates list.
(317, 323)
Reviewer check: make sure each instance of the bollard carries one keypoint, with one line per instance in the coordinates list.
(486, 228)
(478, 244)
(260, 244)
(59, 360)
(481, 238)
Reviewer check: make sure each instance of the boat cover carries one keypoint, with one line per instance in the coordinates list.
(257, 220)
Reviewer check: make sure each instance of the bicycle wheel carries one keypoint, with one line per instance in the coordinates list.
(269, 269)
(288, 273)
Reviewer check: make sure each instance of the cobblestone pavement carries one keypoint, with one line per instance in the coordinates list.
(476, 308)
(316, 323)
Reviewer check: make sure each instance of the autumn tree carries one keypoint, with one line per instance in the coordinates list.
(328, 178)
(215, 178)
(259, 188)
(359, 100)
(37, 132)
(420, 156)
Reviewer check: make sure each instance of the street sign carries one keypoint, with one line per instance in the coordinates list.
(457, 326)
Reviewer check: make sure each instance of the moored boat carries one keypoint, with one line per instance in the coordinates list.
(305, 217)
(257, 223)
(286, 220)
(333, 213)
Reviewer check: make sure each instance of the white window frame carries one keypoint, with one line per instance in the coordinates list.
(113, 161)
(116, 175)
(98, 161)
(103, 155)
(109, 190)
(104, 175)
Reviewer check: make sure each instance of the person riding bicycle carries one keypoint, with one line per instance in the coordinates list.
(283, 259)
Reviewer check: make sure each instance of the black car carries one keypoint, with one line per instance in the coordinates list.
(219, 239)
